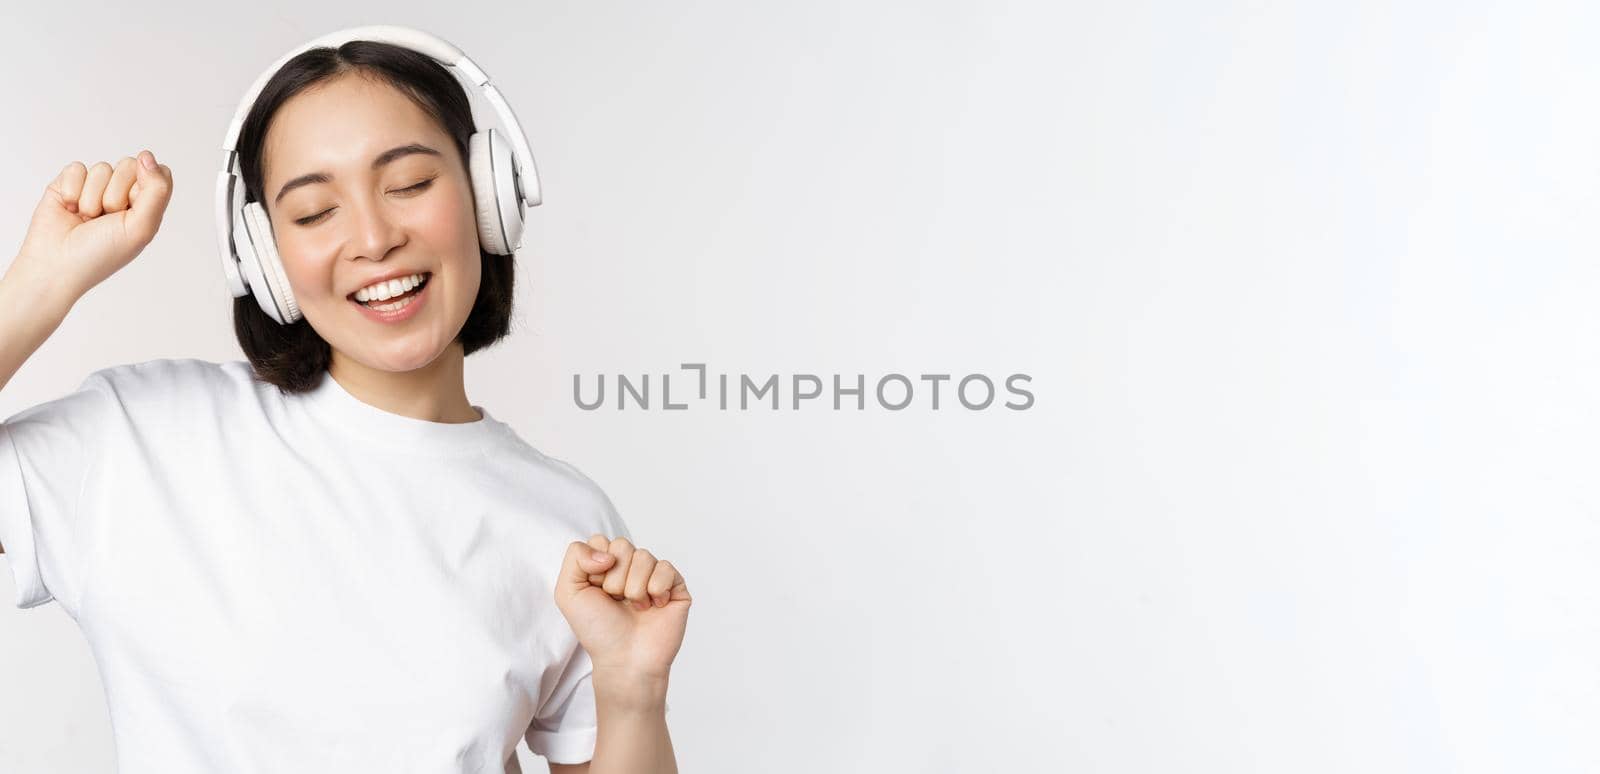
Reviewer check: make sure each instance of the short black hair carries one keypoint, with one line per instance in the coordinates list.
(293, 356)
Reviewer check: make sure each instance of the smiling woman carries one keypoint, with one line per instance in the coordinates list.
(253, 599)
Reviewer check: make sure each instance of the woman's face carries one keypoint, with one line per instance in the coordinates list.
(374, 214)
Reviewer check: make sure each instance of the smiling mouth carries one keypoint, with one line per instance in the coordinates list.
(426, 276)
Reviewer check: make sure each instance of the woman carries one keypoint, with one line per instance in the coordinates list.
(325, 558)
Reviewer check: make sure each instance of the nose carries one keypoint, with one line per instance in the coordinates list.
(376, 233)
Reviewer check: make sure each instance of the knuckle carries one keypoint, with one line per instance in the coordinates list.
(100, 166)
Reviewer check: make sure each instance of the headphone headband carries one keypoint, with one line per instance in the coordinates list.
(230, 181)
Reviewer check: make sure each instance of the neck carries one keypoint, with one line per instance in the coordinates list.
(435, 392)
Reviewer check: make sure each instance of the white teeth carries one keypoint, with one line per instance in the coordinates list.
(401, 304)
(382, 291)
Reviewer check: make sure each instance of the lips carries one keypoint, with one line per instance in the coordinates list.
(418, 298)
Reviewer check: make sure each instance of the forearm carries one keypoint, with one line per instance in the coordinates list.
(29, 313)
(633, 736)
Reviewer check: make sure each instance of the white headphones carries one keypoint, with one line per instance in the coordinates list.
(504, 180)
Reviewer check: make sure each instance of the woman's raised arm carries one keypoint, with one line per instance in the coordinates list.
(90, 222)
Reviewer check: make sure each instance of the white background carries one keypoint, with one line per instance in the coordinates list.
(1307, 293)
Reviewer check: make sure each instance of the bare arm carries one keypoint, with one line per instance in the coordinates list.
(629, 611)
(633, 727)
(89, 223)
(27, 318)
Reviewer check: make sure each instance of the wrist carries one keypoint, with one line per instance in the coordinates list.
(32, 309)
(630, 691)
(49, 298)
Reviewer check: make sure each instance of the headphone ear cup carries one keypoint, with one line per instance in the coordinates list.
(500, 209)
(250, 268)
(273, 292)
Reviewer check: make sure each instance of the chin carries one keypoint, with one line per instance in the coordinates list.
(402, 357)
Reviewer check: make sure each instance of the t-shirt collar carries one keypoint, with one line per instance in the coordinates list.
(396, 432)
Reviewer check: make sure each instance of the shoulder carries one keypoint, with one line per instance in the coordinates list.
(162, 376)
(150, 399)
(168, 382)
(178, 369)
(572, 493)
(559, 472)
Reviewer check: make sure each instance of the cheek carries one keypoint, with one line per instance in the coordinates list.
(450, 220)
(453, 228)
(307, 265)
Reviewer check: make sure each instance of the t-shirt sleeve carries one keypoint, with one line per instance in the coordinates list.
(46, 452)
(565, 728)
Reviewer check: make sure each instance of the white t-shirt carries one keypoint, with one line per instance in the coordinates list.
(305, 583)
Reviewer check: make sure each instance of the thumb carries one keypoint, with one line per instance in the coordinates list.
(155, 190)
(580, 563)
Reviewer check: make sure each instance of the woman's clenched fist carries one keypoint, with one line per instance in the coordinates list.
(627, 608)
(91, 222)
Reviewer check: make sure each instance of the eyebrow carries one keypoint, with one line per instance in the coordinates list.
(382, 159)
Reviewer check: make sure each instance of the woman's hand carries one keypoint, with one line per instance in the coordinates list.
(91, 222)
(628, 609)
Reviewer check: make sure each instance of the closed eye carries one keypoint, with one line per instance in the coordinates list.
(417, 188)
(309, 219)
